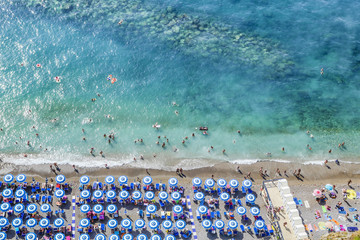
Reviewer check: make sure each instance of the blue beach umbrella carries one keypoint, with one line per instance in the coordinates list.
(180, 224)
(114, 237)
(140, 223)
(221, 183)
(124, 194)
(110, 180)
(100, 236)
(112, 208)
(84, 236)
(31, 222)
(163, 195)
(234, 183)
(175, 196)
(98, 208)
(127, 236)
(4, 222)
(255, 211)
(167, 224)
(17, 222)
(111, 194)
(112, 223)
(45, 208)
(209, 183)
(3, 236)
(8, 178)
(43, 223)
(149, 195)
(85, 222)
(30, 236)
(136, 195)
(59, 236)
(219, 224)
(19, 208)
(250, 197)
(259, 224)
(4, 207)
(20, 193)
(98, 194)
(84, 180)
(170, 237)
(59, 222)
(177, 209)
(60, 179)
(21, 178)
(206, 224)
(241, 211)
(153, 224)
(247, 183)
(196, 182)
(126, 223)
(31, 208)
(224, 196)
(141, 237)
(85, 208)
(147, 180)
(123, 179)
(232, 224)
(151, 208)
(173, 182)
(202, 209)
(7, 193)
(199, 196)
(85, 194)
(59, 193)
(155, 237)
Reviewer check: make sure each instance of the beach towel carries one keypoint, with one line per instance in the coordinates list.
(352, 229)
(321, 225)
(300, 202)
(352, 209)
(357, 194)
(317, 214)
(342, 212)
(296, 201)
(336, 222)
(337, 228)
(310, 228)
(323, 209)
(355, 219)
(351, 194)
(316, 228)
(342, 218)
(327, 217)
(342, 228)
(307, 205)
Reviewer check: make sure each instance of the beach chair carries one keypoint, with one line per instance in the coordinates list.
(212, 215)
(218, 214)
(49, 199)
(164, 187)
(43, 199)
(226, 215)
(157, 187)
(168, 215)
(161, 204)
(37, 197)
(296, 201)
(66, 187)
(219, 191)
(243, 190)
(198, 215)
(163, 215)
(256, 231)
(148, 214)
(43, 187)
(176, 216)
(103, 227)
(269, 227)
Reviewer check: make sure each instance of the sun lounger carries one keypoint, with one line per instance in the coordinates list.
(43, 198)
(296, 201)
(352, 209)
(309, 228)
(300, 202)
(322, 225)
(307, 205)
(327, 217)
(49, 199)
(352, 229)
(243, 190)
(342, 228)
(324, 209)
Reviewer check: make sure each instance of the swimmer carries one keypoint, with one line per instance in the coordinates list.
(163, 145)
(107, 116)
(83, 130)
(120, 22)
(84, 139)
(57, 79)
(98, 95)
(174, 104)
(322, 71)
(193, 134)
(183, 141)
(37, 135)
(141, 157)
(38, 65)
(53, 120)
(238, 131)
(177, 112)
(311, 136)
(283, 149)
(93, 99)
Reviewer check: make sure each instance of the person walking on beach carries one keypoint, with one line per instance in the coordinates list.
(349, 182)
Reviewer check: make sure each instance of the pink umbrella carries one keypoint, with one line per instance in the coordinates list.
(317, 193)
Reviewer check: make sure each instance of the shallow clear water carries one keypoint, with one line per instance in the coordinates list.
(267, 83)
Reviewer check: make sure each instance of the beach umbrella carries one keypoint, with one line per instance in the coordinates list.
(153, 224)
(8, 178)
(317, 193)
(175, 196)
(59, 222)
(209, 183)
(45, 208)
(17, 222)
(141, 237)
(31, 222)
(84, 236)
(30, 236)
(167, 224)
(219, 224)
(247, 183)
(31, 208)
(140, 223)
(110, 180)
(163, 195)
(98, 194)
(112, 223)
(123, 179)
(206, 224)
(221, 183)
(180, 224)
(259, 224)
(224, 196)
(7, 193)
(114, 237)
(147, 180)
(84, 180)
(112, 208)
(3, 236)
(151, 208)
(124, 194)
(329, 187)
(85, 222)
(149, 195)
(202, 209)
(127, 236)
(19, 208)
(173, 182)
(85, 208)
(250, 197)
(197, 182)
(232, 224)
(111, 194)
(59, 193)
(170, 237)
(155, 237)
(60, 178)
(3, 222)
(199, 196)
(177, 209)
(85, 194)
(100, 236)
(234, 183)
(255, 211)
(136, 195)
(4, 207)
(59, 236)
(21, 178)
(98, 208)
(20, 193)
(126, 223)
(241, 210)
(44, 222)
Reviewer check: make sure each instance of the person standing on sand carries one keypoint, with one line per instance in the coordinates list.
(349, 182)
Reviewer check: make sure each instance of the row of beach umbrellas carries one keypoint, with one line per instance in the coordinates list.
(31, 222)
(197, 182)
(255, 211)
(20, 193)
(8, 178)
(136, 195)
(124, 179)
(31, 208)
(232, 224)
(127, 236)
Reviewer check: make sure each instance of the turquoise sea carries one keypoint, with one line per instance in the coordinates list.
(230, 65)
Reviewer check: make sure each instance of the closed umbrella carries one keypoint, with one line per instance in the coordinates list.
(140, 223)
(209, 183)
(112, 223)
(111, 208)
(234, 183)
(8, 178)
(202, 209)
(31, 208)
(151, 208)
(153, 224)
(60, 179)
(180, 224)
(59, 222)
(59, 236)
(175, 196)
(30, 236)
(219, 224)
(173, 182)
(110, 180)
(85, 208)
(17, 222)
(44, 222)
(84, 180)
(163, 195)
(167, 224)
(199, 196)
(21, 178)
(123, 179)
(177, 209)
(85, 194)
(206, 224)
(124, 194)
(221, 183)
(98, 208)
(136, 195)
(147, 180)
(197, 182)
(111, 194)
(59, 193)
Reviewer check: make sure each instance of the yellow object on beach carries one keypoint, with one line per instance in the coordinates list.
(322, 225)
(351, 194)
